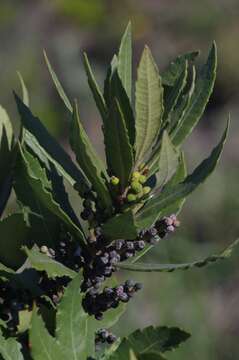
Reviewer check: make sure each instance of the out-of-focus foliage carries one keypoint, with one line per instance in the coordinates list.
(204, 306)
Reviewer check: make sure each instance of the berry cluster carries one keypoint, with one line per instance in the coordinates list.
(96, 303)
(160, 229)
(12, 301)
(104, 336)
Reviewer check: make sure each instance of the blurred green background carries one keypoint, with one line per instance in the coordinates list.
(204, 302)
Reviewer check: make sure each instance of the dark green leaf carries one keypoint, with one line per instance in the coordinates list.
(149, 105)
(46, 147)
(125, 60)
(88, 160)
(14, 231)
(186, 266)
(203, 89)
(175, 68)
(58, 85)
(154, 207)
(119, 153)
(43, 262)
(99, 99)
(121, 226)
(107, 84)
(10, 349)
(155, 340)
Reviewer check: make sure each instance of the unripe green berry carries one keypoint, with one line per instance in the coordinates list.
(114, 180)
(142, 179)
(146, 190)
(136, 187)
(136, 175)
(131, 197)
(44, 249)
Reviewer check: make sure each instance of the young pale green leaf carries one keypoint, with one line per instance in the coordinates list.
(98, 97)
(72, 322)
(5, 124)
(151, 339)
(121, 226)
(165, 162)
(41, 187)
(43, 262)
(57, 84)
(88, 160)
(132, 355)
(171, 74)
(203, 89)
(152, 210)
(43, 345)
(139, 267)
(149, 105)
(46, 147)
(10, 349)
(119, 152)
(125, 60)
(172, 94)
(14, 231)
(25, 94)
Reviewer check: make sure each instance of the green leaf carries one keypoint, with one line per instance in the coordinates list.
(5, 123)
(175, 68)
(72, 322)
(112, 69)
(165, 162)
(121, 226)
(155, 340)
(172, 94)
(203, 89)
(139, 267)
(46, 147)
(88, 160)
(10, 349)
(41, 187)
(151, 356)
(125, 60)
(25, 94)
(58, 85)
(119, 153)
(42, 262)
(14, 231)
(98, 97)
(25, 317)
(43, 345)
(152, 210)
(149, 105)
(182, 105)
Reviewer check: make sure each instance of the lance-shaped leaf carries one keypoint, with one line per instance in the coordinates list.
(98, 97)
(155, 340)
(171, 74)
(117, 91)
(119, 152)
(46, 147)
(41, 187)
(7, 158)
(140, 267)
(165, 161)
(25, 94)
(14, 231)
(120, 227)
(57, 84)
(203, 89)
(172, 94)
(72, 323)
(182, 105)
(88, 160)
(108, 80)
(10, 349)
(125, 60)
(149, 105)
(43, 262)
(154, 207)
(43, 345)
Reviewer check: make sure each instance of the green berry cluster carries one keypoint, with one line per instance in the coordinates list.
(137, 190)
